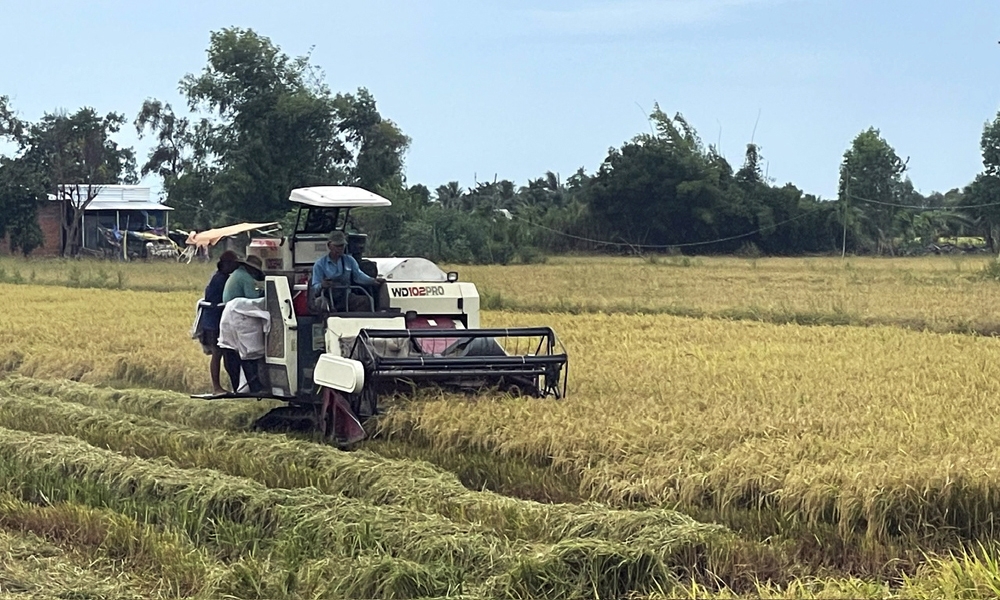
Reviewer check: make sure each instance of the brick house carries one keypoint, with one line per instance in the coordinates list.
(116, 207)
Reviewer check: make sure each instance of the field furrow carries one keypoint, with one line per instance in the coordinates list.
(234, 516)
(281, 462)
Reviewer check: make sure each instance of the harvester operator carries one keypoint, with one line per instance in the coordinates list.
(336, 272)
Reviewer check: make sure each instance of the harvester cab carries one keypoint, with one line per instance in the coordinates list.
(420, 327)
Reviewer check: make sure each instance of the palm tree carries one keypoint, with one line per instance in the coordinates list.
(450, 196)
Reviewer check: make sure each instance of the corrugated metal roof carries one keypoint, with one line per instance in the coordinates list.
(115, 197)
(134, 195)
(95, 205)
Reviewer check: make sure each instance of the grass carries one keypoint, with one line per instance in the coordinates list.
(156, 276)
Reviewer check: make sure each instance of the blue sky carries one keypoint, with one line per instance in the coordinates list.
(513, 89)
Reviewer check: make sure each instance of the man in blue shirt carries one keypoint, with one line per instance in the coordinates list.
(333, 275)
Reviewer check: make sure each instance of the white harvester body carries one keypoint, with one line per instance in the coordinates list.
(422, 327)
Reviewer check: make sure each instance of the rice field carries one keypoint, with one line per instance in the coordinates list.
(937, 293)
(731, 429)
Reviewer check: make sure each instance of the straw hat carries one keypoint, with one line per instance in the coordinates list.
(252, 262)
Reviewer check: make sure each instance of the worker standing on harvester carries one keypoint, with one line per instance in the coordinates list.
(335, 273)
(243, 324)
(211, 316)
(243, 282)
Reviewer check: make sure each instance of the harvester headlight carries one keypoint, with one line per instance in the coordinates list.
(452, 276)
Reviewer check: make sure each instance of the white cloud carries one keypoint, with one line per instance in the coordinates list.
(632, 16)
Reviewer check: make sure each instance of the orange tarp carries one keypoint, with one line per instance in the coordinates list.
(211, 237)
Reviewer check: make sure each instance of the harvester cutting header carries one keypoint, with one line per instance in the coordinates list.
(336, 340)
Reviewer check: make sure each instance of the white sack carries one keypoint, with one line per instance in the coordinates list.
(243, 327)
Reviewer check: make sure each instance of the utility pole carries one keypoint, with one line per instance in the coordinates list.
(847, 199)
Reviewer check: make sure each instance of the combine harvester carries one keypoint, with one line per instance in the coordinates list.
(330, 368)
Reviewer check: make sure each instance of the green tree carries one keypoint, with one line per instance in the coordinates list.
(376, 145)
(179, 158)
(271, 125)
(20, 187)
(20, 190)
(72, 155)
(871, 175)
(449, 196)
(662, 188)
(983, 194)
(265, 123)
(79, 156)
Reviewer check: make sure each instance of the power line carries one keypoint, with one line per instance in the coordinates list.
(666, 246)
(742, 235)
(921, 208)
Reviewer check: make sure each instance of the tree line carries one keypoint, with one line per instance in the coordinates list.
(259, 123)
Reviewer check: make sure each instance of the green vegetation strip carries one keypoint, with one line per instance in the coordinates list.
(164, 563)
(169, 557)
(33, 568)
(235, 517)
(169, 406)
(279, 462)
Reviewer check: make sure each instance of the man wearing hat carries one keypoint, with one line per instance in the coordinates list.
(339, 271)
(243, 282)
(235, 325)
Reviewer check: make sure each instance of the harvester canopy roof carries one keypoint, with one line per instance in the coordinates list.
(336, 196)
(211, 237)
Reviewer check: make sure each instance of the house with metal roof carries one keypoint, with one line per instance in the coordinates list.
(120, 208)
(116, 208)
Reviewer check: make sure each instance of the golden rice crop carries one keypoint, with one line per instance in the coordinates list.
(935, 293)
(108, 336)
(944, 293)
(871, 428)
(971, 573)
(880, 429)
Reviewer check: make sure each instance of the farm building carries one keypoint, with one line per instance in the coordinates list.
(117, 208)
